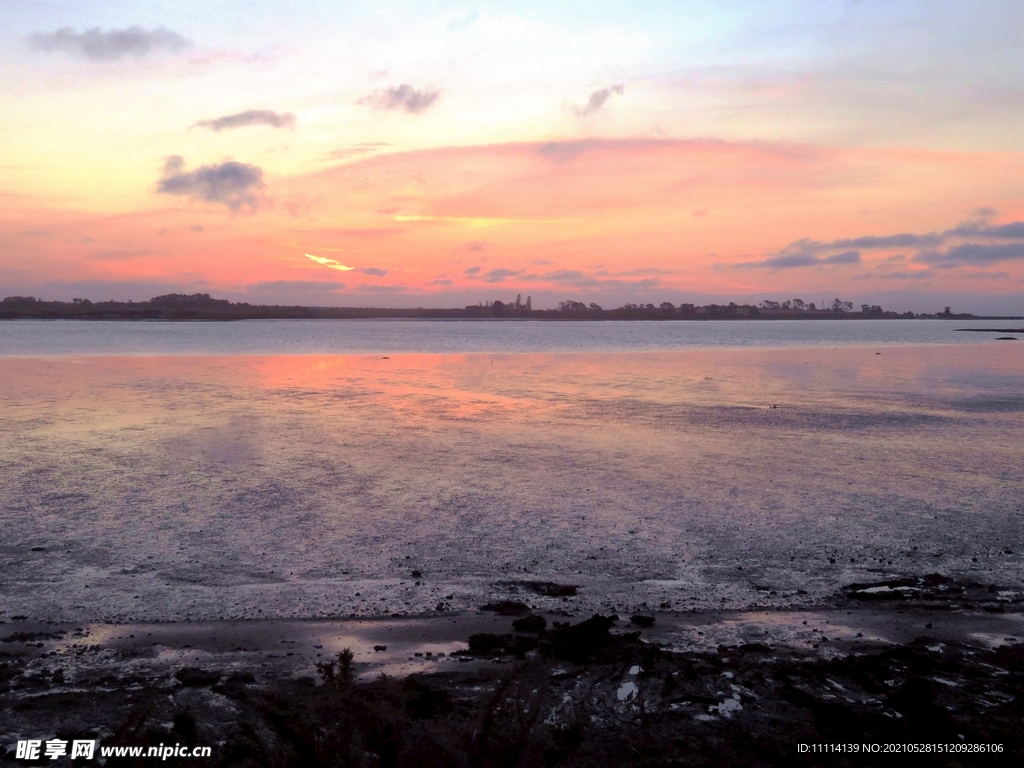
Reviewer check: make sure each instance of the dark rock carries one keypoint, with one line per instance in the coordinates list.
(380, 648)
(196, 677)
(642, 621)
(507, 608)
(490, 644)
(424, 702)
(26, 637)
(579, 643)
(546, 588)
(417, 574)
(531, 623)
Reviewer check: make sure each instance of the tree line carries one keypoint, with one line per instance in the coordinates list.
(201, 306)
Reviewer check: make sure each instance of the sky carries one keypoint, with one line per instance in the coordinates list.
(440, 154)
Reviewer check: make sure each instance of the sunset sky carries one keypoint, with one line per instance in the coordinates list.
(440, 154)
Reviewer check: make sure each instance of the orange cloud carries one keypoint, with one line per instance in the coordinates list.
(585, 216)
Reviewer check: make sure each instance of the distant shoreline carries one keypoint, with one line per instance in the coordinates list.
(177, 307)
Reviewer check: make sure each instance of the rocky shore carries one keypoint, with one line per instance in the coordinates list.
(921, 660)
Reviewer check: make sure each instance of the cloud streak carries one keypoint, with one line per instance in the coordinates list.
(402, 97)
(929, 245)
(333, 264)
(98, 45)
(791, 260)
(976, 254)
(247, 118)
(329, 263)
(231, 183)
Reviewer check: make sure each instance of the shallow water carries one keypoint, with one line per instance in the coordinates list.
(276, 337)
(170, 488)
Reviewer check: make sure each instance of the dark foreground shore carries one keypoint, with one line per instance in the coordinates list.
(902, 663)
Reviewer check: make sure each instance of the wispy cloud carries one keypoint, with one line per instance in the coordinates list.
(791, 260)
(356, 150)
(402, 97)
(598, 99)
(561, 277)
(329, 263)
(233, 184)
(579, 279)
(98, 45)
(249, 117)
(479, 221)
(333, 264)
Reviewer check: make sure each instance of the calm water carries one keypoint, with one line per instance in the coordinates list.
(274, 337)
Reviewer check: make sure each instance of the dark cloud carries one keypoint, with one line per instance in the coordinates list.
(598, 99)
(792, 260)
(1012, 231)
(471, 271)
(902, 240)
(477, 245)
(808, 253)
(402, 97)
(569, 277)
(97, 45)
(233, 184)
(972, 254)
(375, 271)
(902, 274)
(500, 275)
(442, 281)
(250, 117)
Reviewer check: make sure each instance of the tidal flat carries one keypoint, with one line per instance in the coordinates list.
(258, 514)
(202, 488)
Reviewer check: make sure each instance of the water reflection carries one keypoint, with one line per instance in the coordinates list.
(172, 487)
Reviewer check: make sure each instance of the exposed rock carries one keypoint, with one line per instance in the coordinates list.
(507, 608)
(532, 623)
